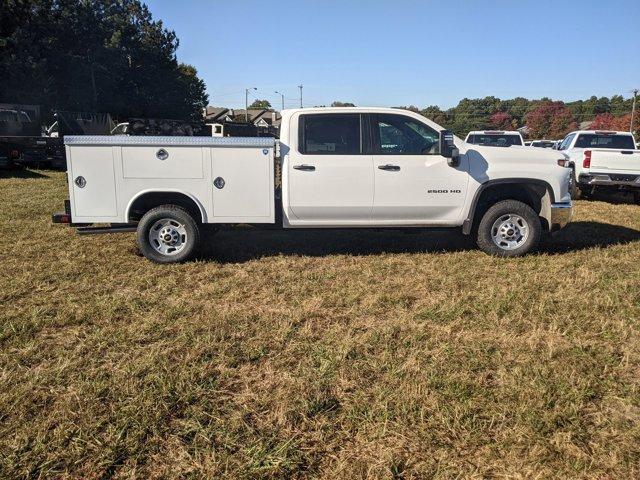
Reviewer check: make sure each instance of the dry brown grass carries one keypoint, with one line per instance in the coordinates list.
(317, 355)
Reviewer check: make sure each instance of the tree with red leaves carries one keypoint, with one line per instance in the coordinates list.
(502, 121)
(550, 120)
(606, 121)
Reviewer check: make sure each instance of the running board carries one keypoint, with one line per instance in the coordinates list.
(123, 228)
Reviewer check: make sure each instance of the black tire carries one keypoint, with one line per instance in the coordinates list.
(182, 234)
(576, 193)
(500, 217)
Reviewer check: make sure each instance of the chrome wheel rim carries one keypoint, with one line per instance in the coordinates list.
(168, 236)
(510, 231)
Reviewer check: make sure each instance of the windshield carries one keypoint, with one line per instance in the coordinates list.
(14, 116)
(600, 140)
(543, 144)
(495, 140)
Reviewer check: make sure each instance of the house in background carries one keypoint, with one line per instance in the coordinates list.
(218, 115)
(260, 117)
(268, 118)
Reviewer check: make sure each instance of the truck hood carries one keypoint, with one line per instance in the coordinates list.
(487, 164)
(517, 154)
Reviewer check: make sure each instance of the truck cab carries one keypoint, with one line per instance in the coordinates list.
(331, 168)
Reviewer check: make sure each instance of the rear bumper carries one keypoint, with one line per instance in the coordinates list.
(609, 179)
(561, 214)
(63, 217)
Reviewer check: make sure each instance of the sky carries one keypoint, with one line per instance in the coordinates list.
(406, 52)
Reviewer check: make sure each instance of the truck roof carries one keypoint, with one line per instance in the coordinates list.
(494, 132)
(289, 112)
(600, 132)
(348, 110)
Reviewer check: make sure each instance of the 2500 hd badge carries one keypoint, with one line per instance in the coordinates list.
(444, 191)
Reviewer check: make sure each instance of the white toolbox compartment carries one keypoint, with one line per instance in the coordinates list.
(230, 179)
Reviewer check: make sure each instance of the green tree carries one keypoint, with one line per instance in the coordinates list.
(260, 104)
(434, 114)
(99, 55)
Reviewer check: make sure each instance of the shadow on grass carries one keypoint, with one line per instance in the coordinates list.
(21, 173)
(583, 235)
(615, 198)
(234, 246)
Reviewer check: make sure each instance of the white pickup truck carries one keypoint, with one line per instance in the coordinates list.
(602, 160)
(331, 168)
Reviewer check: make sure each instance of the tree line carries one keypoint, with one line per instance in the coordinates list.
(95, 56)
(544, 118)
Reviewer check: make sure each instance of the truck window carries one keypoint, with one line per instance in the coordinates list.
(402, 135)
(495, 140)
(597, 140)
(8, 116)
(567, 141)
(330, 134)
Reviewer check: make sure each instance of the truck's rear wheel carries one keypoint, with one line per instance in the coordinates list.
(168, 234)
(574, 189)
(509, 229)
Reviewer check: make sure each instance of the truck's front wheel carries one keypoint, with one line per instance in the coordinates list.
(168, 234)
(509, 229)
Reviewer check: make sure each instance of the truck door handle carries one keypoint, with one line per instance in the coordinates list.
(389, 168)
(306, 168)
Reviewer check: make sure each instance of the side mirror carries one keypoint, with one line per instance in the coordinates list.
(448, 149)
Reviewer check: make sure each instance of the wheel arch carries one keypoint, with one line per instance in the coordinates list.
(536, 193)
(145, 200)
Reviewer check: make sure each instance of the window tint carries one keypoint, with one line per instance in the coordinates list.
(542, 144)
(566, 142)
(594, 140)
(401, 135)
(495, 140)
(326, 134)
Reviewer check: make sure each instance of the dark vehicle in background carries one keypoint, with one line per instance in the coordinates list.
(25, 142)
(495, 138)
(74, 123)
(21, 136)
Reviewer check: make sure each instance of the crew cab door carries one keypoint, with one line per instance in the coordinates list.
(413, 183)
(330, 178)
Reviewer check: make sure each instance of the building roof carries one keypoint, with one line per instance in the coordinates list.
(212, 114)
(262, 115)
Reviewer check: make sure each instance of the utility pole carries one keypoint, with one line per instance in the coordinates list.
(246, 103)
(300, 87)
(633, 108)
(282, 95)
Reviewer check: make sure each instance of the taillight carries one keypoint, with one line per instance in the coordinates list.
(586, 163)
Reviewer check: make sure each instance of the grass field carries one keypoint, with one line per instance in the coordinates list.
(317, 355)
